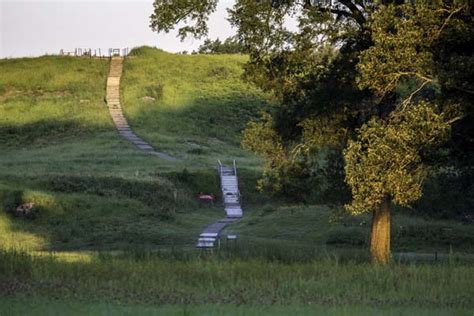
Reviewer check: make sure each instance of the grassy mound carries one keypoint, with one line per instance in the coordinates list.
(199, 106)
(91, 188)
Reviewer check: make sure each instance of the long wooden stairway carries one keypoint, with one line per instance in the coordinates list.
(115, 109)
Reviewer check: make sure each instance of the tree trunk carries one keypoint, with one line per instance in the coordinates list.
(380, 233)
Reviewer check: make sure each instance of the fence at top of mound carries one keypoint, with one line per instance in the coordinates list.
(96, 52)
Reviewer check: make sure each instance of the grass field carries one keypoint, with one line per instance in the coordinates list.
(122, 224)
(160, 278)
(48, 307)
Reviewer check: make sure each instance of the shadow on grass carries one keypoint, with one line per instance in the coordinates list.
(205, 118)
(45, 131)
(97, 212)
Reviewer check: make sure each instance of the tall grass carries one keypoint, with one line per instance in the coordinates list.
(207, 280)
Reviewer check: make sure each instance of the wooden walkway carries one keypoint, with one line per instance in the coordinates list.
(115, 109)
(231, 198)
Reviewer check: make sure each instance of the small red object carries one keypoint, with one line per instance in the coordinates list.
(206, 197)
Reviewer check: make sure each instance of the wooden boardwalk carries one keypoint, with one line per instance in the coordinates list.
(115, 109)
(231, 198)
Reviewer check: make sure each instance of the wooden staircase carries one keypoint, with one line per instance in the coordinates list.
(231, 199)
(230, 190)
(115, 109)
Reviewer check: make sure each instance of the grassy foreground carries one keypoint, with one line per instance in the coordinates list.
(158, 279)
(48, 307)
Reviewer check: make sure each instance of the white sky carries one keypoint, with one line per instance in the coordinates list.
(38, 27)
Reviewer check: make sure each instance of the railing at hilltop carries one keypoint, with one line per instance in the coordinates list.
(96, 52)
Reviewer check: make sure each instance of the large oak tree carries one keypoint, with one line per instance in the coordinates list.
(337, 76)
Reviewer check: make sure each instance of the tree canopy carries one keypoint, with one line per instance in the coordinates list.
(379, 85)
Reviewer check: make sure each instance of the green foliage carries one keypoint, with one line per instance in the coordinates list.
(386, 159)
(280, 170)
(167, 14)
(310, 169)
(422, 41)
(403, 37)
(229, 46)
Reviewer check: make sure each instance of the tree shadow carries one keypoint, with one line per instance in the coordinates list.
(46, 131)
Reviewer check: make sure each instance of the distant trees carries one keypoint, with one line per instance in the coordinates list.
(229, 46)
(369, 89)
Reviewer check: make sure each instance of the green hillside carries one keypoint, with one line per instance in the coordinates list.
(94, 190)
(122, 224)
(201, 104)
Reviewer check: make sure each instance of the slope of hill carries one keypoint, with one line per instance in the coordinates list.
(192, 106)
(93, 189)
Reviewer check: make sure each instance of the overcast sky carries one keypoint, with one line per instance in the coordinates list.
(38, 27)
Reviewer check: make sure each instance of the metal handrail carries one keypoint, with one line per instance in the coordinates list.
(236, 178)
